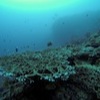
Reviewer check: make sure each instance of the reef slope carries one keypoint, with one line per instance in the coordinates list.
(71, 72)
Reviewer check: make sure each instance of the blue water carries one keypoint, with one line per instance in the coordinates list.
(33, 30)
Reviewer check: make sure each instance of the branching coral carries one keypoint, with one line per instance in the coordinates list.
(67, 73)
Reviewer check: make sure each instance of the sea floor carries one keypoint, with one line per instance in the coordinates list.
(71, 72)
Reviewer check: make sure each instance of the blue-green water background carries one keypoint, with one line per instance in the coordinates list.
(33, 30)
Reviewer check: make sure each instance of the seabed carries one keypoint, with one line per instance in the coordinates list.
(71, 72)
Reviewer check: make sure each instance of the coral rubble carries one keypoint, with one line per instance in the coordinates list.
(71, 72)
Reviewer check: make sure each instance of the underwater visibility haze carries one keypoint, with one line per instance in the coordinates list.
(49, 49)
(31, 24)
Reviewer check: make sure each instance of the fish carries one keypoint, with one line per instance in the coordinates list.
(49, 44)
(16, 49)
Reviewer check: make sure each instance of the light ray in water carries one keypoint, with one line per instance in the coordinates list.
(37, 4)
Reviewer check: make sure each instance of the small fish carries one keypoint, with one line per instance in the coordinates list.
(28, 46)
(45, 25)
(4, 40)
(49, 44)
(63, 23)
(16, 49)
(87, 15)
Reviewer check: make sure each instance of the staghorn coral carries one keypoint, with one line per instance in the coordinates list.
(30, 67)
(66, 73)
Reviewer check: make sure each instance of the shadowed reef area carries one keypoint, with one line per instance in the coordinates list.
(71, 72)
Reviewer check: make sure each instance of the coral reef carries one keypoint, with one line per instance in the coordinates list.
(71, 72)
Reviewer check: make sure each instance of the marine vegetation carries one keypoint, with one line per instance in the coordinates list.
(71, 72)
